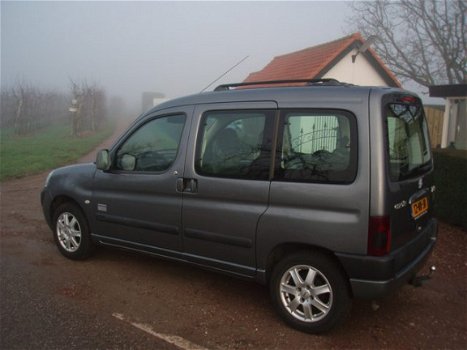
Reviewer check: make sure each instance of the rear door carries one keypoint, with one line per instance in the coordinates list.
(410, 165)
(226, 183)
(318, 197)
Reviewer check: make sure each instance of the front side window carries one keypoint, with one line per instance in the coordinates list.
(318, 146)
(407, 140)
(153, 147)
(235, 144)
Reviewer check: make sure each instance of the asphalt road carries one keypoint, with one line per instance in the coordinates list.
(120, 300)
(38, 312)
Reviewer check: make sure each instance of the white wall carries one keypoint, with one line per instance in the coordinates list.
(359, 73)
(455, 123)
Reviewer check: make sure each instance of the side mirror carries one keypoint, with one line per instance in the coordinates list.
(103, 160)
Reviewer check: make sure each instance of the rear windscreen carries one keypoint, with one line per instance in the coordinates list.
(407, 137)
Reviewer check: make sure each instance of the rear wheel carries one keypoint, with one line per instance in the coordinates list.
(310, 292)
(71, 232)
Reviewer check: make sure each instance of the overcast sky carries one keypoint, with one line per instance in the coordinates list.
(175, 48)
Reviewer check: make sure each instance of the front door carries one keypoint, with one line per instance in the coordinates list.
(226, 183)
(136, 202)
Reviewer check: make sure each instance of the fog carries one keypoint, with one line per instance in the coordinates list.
(174, 48)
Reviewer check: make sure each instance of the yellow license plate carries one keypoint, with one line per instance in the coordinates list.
(419, 207)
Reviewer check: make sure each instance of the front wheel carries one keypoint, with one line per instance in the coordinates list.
(310, 292)
(71, 232)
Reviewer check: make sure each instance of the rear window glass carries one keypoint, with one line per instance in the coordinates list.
(235, 144)
(408, 142)
(318, 146)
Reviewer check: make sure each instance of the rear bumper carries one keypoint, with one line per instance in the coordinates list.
(373, 277)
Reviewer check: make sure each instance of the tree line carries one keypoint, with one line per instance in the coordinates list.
(27, 109)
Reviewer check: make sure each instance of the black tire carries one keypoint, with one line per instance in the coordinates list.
(310, 292)
(71, 232)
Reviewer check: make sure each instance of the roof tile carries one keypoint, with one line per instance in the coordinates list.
(309, 62)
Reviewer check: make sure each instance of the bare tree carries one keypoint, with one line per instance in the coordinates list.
(420, 40)
(27, 99)
(89, 107)
(77, 102)
(20, 97)
(26, 108)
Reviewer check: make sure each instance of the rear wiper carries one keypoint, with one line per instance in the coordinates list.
(422, 167)
(417, 170)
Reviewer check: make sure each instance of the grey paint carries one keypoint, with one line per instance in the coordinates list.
(234, 225)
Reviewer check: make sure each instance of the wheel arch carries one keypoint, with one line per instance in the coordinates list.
(59, 200)
(82, 248)
(284, 249)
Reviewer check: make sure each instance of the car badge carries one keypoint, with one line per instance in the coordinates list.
(420, 183)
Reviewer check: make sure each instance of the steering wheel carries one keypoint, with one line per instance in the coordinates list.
(151, 160)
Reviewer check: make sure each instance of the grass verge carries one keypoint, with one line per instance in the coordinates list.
(47, 149)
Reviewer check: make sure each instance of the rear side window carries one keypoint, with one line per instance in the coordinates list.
(407, 140)
(318, 146)
(235, 144)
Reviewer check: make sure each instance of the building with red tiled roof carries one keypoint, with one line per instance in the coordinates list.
(339, 59)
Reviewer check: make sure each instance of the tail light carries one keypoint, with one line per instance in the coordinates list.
(379, 236)
(408, 99)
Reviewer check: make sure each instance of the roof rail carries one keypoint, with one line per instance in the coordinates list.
(328, 81)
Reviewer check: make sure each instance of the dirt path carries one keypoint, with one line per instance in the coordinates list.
(50, 302)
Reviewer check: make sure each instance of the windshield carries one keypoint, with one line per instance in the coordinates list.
(408, 142)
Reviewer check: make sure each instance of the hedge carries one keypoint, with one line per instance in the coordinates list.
(450, 178)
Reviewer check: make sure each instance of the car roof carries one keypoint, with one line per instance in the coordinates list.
(280, 95)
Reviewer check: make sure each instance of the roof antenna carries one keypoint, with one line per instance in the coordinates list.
(222, 75)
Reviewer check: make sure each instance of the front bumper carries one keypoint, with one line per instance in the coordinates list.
(374, 277)
(46, 201)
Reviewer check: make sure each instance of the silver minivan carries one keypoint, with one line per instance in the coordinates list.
(322, 191)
